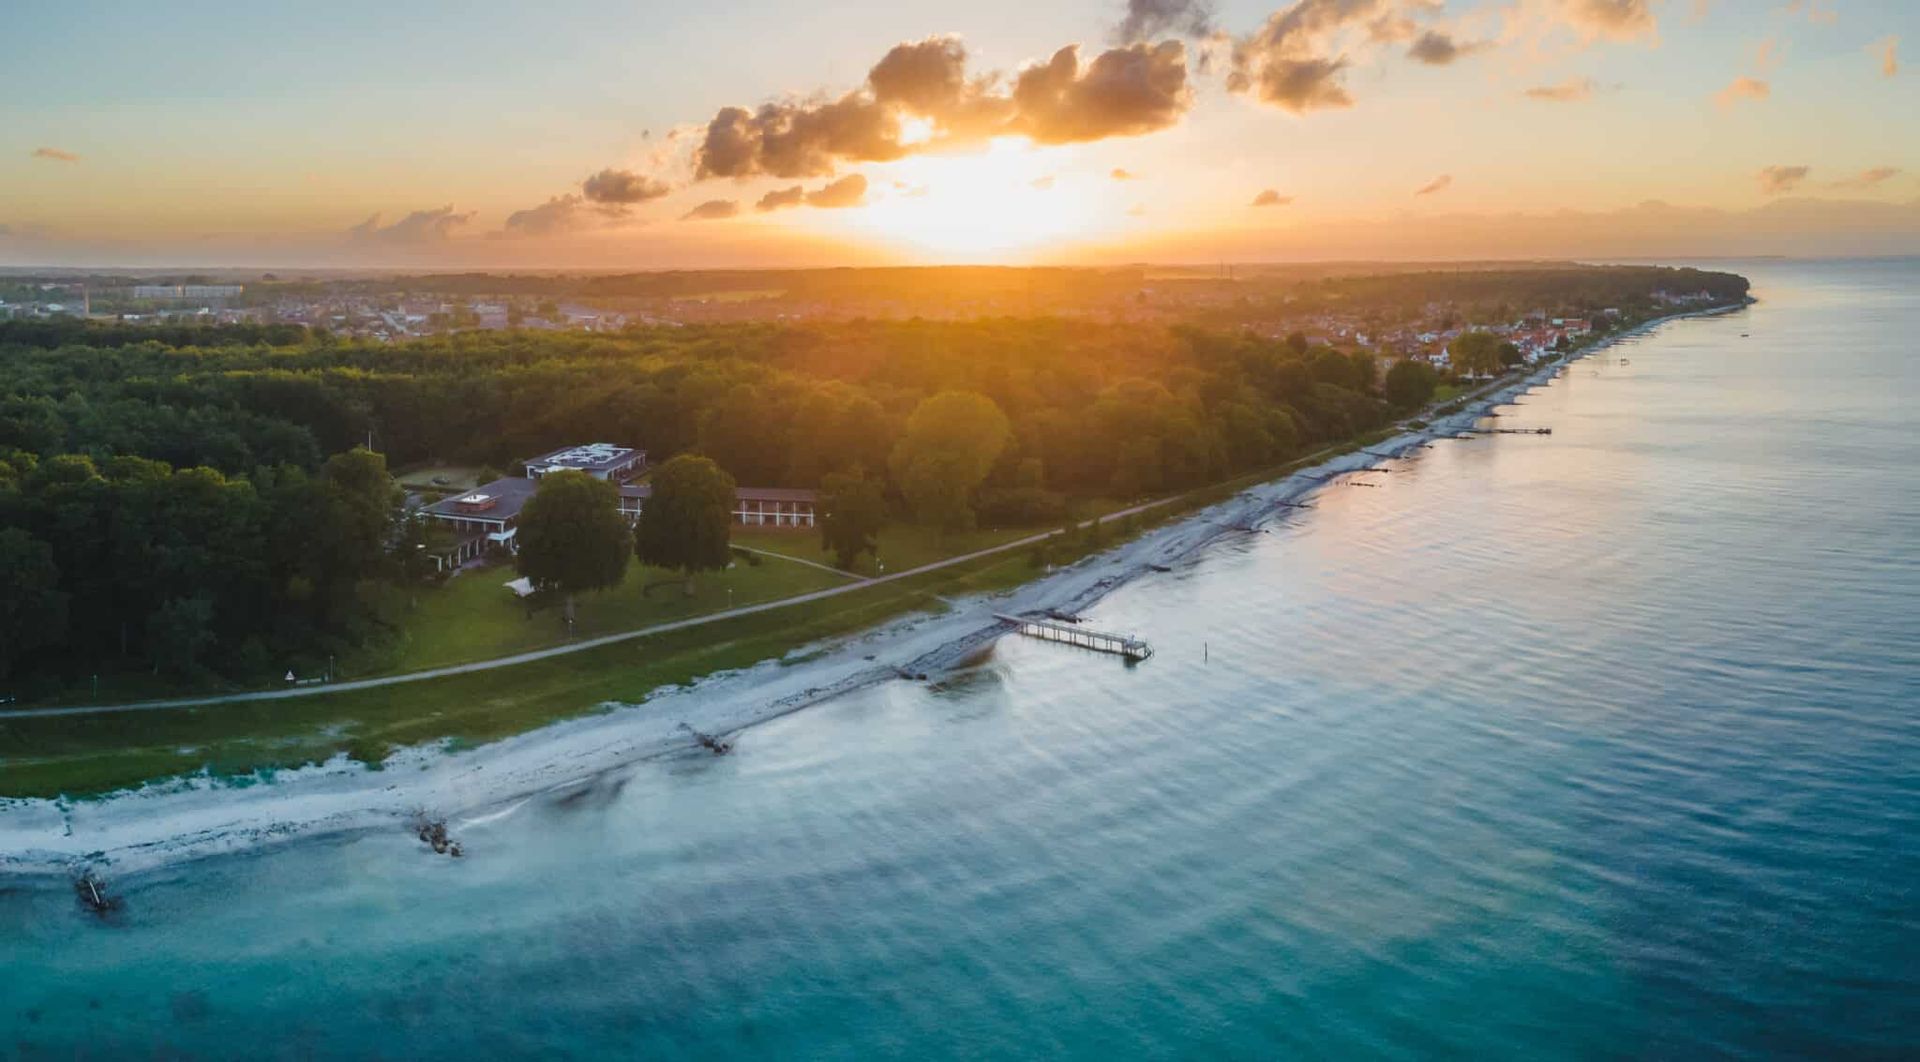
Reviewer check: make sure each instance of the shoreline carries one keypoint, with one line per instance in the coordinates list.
(180, 820)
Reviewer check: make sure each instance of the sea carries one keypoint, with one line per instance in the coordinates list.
(1596, 744)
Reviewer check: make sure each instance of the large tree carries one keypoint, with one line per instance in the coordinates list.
(1475, 353)
(685, 521)
(33, 610)
(1410, 383)
(572, 537)
(950, 444)
(853, 510)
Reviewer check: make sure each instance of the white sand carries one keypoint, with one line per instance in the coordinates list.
(192, 818)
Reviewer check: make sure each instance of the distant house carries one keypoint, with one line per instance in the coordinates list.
(487, 518)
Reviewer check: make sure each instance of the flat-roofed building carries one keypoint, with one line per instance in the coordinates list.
(487, 517)
(615, 464)
(484, 518)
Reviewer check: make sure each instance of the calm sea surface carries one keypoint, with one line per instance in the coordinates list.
(1597, 744)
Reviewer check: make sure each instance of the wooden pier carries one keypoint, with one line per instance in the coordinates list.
(1119, 645)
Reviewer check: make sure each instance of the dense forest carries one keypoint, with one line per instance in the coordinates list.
(201, 499)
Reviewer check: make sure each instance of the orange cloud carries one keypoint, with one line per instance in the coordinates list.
(1742, 88)
(1779, 180)
(1572, 90)
(1271, 198)
(712, 210)
(1868, 178)
(1438, 184)
(1620, 20)
(1887, 50)
(53, 154)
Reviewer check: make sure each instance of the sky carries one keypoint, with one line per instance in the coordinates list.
(623, 135)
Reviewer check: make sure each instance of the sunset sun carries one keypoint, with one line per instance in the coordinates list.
(1003, 202)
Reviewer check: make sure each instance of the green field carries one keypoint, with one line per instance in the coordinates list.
(473, 616)
(92, 754)
(902, 547)
(454, 477)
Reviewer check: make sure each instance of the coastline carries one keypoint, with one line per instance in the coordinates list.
(184, 819)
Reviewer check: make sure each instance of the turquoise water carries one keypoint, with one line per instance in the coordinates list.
(1604, 743)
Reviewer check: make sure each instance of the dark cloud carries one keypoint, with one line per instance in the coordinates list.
(1148, 19)
(622, 187)
(1288, 62)
(926, 76)
(562, 213)
(1299, 85)
(1123, 92)
(421, 226)
(1436, 48)
(54, 154)
(1438, 184)
(1572, 90)
(712, 210)
(1270, 198)
(848, 191)
(1779, 180)
(799, 139)
(781, 198)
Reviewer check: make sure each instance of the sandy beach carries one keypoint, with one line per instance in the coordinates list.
(190, 818)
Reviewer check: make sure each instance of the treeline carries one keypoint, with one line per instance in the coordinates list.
(54, 332)
(1095, 409)
(131, 562)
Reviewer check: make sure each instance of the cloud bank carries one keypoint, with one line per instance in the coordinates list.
(1125, 91)
(419, 227)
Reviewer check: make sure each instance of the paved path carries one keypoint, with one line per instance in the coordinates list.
(570, 647)
(802, 560)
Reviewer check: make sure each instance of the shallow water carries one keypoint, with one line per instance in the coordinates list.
(1599, 743)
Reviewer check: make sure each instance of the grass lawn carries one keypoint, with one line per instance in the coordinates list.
(902, 546)
(92, 754)
(457, 477)
(474, 617)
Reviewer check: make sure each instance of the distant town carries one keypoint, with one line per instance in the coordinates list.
(1271, 302)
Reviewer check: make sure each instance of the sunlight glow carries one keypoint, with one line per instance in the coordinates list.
(981, 206)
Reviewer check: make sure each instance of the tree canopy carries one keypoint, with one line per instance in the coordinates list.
(950, 444)
(571, 536)
(684, 523)
(1476, 354)
(853, 509)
